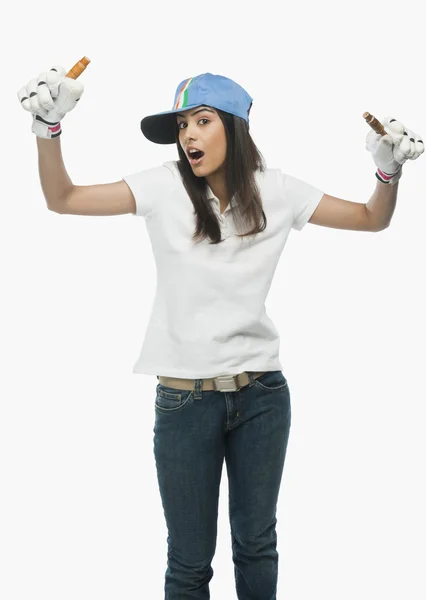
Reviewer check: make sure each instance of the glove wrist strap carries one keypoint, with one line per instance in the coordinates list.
(46, 129)
(389, 178)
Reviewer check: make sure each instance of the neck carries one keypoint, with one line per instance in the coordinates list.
(216, 182)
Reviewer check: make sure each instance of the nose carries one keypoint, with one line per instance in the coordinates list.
(189, 133)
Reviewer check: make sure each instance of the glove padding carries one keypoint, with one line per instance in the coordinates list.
(49, 97)
(392, 150)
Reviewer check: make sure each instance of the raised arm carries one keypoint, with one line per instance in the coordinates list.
(63, 197)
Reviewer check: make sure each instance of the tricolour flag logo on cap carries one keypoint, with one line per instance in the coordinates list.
(182, 99)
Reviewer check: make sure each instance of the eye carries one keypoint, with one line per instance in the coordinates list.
(183, 122)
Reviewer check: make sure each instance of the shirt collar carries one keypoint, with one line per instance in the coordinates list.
(211, 196)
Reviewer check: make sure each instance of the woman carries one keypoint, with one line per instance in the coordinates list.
(218, 221)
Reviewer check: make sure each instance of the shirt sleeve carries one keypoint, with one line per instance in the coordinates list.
(149, 187)
(302, 197)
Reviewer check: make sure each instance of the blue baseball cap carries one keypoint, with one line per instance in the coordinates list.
(205, 89)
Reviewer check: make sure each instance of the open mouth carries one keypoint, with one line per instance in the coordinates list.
(195, 157)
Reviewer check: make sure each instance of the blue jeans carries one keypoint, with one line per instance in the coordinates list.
(194, 431)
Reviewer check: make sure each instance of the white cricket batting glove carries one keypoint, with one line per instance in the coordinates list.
(392, 150)
(48, 98)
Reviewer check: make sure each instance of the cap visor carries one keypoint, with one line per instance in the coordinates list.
(161, 127)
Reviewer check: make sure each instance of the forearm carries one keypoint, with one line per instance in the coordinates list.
(54, 179)
(381, 205)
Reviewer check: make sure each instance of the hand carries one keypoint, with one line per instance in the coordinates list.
(48, 98)
(392, 150)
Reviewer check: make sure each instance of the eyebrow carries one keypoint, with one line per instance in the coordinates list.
(195, 112)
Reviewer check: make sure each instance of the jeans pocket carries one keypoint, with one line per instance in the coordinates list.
(271, 380)
(171, 399)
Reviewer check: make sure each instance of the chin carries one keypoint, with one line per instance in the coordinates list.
(204, 170)
(200, 171)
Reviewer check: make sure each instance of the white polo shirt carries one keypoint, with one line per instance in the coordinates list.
(208, 316)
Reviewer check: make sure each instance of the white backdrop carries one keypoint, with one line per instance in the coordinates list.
(80, 510)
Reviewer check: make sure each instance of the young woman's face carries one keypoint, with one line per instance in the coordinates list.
(203, 129)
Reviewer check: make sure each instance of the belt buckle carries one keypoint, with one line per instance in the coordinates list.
(222, 383)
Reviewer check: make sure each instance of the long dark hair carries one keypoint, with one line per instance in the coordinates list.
(242, 160)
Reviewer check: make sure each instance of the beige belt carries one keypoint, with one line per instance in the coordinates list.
(223, 383)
